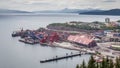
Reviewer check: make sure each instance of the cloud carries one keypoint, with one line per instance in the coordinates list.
(35, 5)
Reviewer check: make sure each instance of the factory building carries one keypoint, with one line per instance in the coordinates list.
(84, 40)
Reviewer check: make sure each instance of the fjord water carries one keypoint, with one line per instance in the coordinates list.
(14, 54)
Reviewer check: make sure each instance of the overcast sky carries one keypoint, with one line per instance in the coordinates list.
(36, 5)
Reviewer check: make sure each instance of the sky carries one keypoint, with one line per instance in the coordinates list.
(38, 5)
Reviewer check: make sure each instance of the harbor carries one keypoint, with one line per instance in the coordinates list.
(59, 34)
(93, 42)
(22, 55)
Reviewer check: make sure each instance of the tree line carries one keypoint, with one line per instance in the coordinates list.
(105, 63)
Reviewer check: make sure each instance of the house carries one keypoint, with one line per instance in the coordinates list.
(112, 24)
(94, 25)
(72, 23)
(113, 37)
(76, 23)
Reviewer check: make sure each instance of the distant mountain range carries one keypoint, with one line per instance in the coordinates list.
(103, 12)
(66, 10)
(12, 11)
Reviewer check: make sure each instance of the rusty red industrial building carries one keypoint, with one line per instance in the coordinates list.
(85, 40)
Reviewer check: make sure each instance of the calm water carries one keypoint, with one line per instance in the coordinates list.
(14, 54)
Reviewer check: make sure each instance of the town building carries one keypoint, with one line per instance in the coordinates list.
(85, 40)
(111, 23)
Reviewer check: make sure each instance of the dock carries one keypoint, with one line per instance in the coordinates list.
(60, 58)
(28, 41)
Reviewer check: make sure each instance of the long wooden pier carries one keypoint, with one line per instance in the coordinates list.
(59, 58)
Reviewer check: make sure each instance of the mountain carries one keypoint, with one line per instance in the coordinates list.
(12, 11)
(103, 12)
(66, 10)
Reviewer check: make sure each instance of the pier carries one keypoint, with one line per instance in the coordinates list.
(62, 57)
(29, 41)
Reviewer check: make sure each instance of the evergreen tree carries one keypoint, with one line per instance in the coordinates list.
(91, 63)
(83, 65)
(111, 64)
(103, 63)
(77, 66)
(97, 65)
(117, 64)
(106, 63)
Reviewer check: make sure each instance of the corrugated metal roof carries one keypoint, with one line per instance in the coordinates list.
(83, 39)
